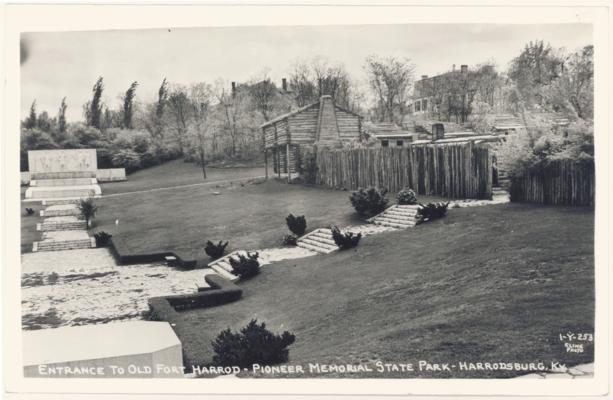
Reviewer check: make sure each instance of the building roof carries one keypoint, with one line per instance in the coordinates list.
(90, 342)
(384, 130)
(301, 109)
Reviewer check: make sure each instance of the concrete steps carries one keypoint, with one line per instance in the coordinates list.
(63, 182)
(61, 226)
(60, 210)
(222, 266)
(55, 202)
(56, 192)
(52, 245)
(320, 241)
(397, 216)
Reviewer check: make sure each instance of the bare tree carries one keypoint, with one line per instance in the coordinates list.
(263, 94)
(200, 96)
(301, 84)
(179, 110)
(231, 109)
(390, 79)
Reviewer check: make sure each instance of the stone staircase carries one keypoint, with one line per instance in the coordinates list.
(222, 265)
(55, 202)
(64, 182)
(68, 223)
(62, 230)
(64, 245)
(397, 216)
(62, 192)
(60, 210)
(320, 241)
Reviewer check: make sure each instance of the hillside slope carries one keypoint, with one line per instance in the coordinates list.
(485, 284)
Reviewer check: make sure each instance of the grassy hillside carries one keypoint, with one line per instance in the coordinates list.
(487, 284)
(250, 216)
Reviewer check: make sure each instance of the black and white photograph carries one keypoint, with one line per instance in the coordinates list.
(350, 201)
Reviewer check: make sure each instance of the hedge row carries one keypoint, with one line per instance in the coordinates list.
(127, 259)
(221, 291)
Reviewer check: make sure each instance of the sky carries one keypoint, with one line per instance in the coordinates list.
(67, 64)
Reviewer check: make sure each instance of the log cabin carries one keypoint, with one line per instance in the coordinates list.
(322, 123)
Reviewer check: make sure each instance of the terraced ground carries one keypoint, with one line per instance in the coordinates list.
(485, 284)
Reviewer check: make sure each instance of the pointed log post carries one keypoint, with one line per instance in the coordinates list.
(287, 166)
(265, 153)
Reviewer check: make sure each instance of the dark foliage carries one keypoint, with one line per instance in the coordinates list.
(297, 225)
(406, 197)
(88, 208)
(254, 344)
(245, 266)
(215, 250)
(307, 165)
(369, 202)
(102, 238)
(432, 211)
(290, 240)
(345, 240)
(29, 211)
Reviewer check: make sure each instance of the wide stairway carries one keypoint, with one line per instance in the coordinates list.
(320, 241)
(62, 229)
(63, 188)
(398, 216)
(223, 267)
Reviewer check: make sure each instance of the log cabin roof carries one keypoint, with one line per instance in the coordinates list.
(301, 109)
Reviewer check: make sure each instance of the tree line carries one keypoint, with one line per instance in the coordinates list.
(206, 122)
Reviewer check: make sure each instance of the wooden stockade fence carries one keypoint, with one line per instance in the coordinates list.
(561, 182)
(454, 171)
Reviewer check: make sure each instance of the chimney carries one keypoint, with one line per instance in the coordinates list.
(284, 84)
(233, 89)
(464, 68)
(438, 131)
(424, 77)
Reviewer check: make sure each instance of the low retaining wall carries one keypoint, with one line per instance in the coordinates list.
(102, 175)
(111, 174)
(127, 259)
(221, 291)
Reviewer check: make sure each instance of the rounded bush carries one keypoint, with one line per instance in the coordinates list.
(406, 196)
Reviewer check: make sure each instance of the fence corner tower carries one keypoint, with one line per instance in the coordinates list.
(322, 123)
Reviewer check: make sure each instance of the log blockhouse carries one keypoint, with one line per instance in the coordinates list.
(322, 123)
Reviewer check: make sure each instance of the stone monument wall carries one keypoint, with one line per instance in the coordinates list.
(62, 164)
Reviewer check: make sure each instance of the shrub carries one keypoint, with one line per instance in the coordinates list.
(102, 238)
(345, 240)
(215, 251)
(29, 211)
(128, 159)
(245, 266)
(88, 209)
(297, 225)
(290, 240)
(406, 196)
(369, 202)
(254, 344)
(432, 211)
(307, 165)
(85, 135)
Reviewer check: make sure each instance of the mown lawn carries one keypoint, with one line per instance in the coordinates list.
(484, 284)
(176, 173)
(250, 215)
